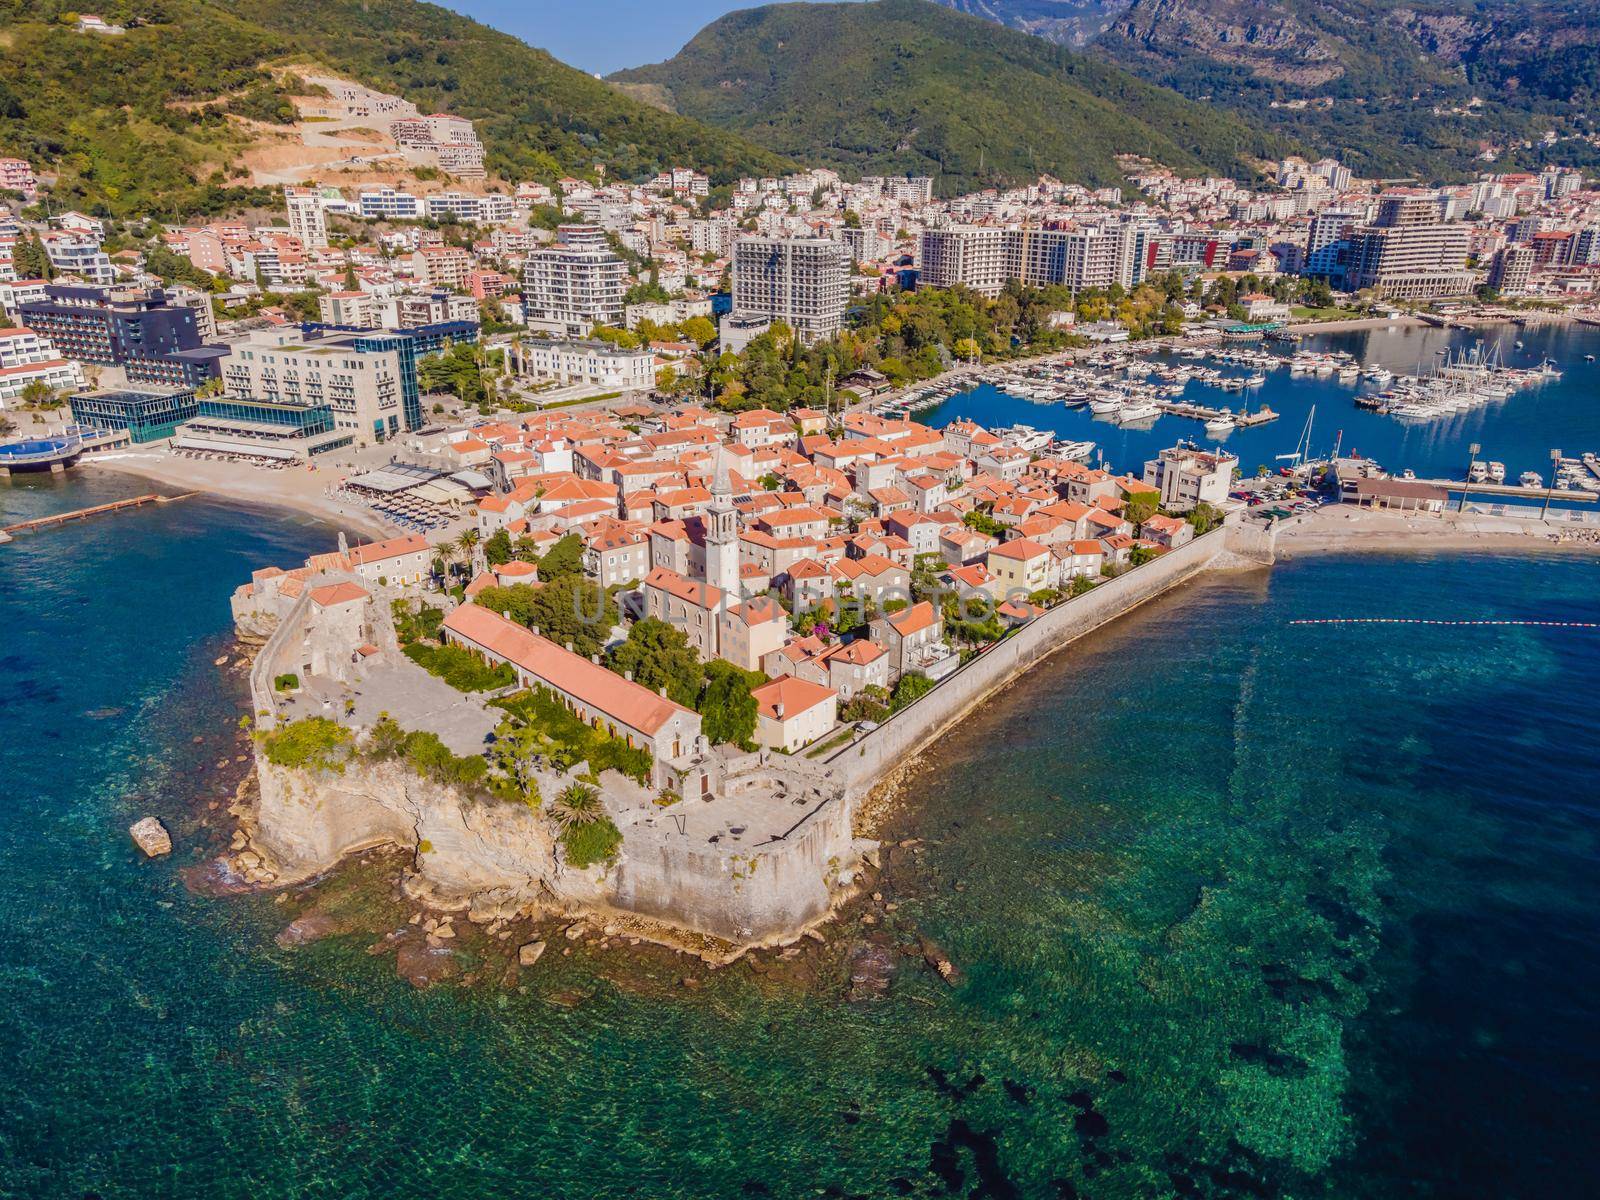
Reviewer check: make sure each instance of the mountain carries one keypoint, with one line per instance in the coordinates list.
(908, 86)
(1068, 22)
(1396, 86)
(154, 120)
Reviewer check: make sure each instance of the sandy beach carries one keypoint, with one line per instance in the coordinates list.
(1337, 529)
(1345, 325)
(296, 488)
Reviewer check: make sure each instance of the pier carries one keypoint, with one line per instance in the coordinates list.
(1200, 412)
(81, 514)
(1513, 489)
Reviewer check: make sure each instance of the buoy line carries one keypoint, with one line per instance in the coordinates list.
(1433, 621)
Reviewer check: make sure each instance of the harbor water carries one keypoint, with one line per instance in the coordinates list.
(1241, 907)
(1519, 431)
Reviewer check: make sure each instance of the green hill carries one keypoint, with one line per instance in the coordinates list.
(908, 86)
(139, 123)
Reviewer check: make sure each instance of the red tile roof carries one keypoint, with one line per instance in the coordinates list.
(602, 690)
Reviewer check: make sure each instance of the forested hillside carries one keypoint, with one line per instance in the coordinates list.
(142, 123)
(909, 86)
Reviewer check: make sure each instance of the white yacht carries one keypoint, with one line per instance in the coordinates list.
(1531, 479)
(1137, 410)
(1497, 472)
(1105, 405)
(1478, 472)
(1076, 451)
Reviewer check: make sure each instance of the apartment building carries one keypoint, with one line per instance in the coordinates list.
(1512, 269)
(442, 266)
(16, 175)
(357, 309)
(307, 222)
(490, 209)
(27, 358)
(575, 284)
(1188, 477)
(803, 282)
(388, 204)
(985, 258)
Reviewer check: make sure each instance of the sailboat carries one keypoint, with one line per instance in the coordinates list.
(1302, 448)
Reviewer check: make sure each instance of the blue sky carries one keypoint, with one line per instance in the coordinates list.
(601, 35)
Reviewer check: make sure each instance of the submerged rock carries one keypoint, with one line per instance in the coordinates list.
(310, 927)
(422, 965)
(529, 953)
(872, 963)
(151, 836)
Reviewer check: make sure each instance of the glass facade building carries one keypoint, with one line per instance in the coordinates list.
(147, 416)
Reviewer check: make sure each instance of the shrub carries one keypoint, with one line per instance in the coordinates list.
(311, 744)
(460, 668)
(287, 682)
(580, 742)
(596, 842)
(415, 622)
(911, 687)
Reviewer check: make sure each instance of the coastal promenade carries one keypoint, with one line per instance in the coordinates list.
(1344, 528)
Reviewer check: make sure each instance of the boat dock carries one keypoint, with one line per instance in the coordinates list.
(1200, 412)
(80, 514)
(1486, 488)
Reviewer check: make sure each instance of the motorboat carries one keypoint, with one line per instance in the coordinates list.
(1076, 451)
(1137, 410)
(1497, 472)
(1478, 472)
(1220, 425)
(1105, 405)
(1531, 479)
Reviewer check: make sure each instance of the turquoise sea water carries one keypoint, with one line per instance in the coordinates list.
(1242, 908)
(1519, 431)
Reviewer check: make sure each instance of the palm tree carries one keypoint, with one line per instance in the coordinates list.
(577, 804)
(463, 545)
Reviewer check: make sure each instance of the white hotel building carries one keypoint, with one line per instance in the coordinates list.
(598, 363)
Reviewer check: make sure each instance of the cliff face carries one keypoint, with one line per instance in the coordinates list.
(466, 853)
(499, 859)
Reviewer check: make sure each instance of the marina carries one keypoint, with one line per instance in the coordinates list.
(1338, 374)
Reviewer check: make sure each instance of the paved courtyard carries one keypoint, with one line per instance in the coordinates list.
(415, 699)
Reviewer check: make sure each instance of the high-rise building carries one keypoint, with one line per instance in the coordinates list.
(803, 282)
(575, 284)
(1408, 252)
(1586, 247)
(307, 223)
(971, 256)
(1512, 269)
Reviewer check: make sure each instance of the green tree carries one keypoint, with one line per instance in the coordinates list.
(563, 560)
(573, 611)
(911, 687)
(728, 711)
(497, 550)
(659, 655)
